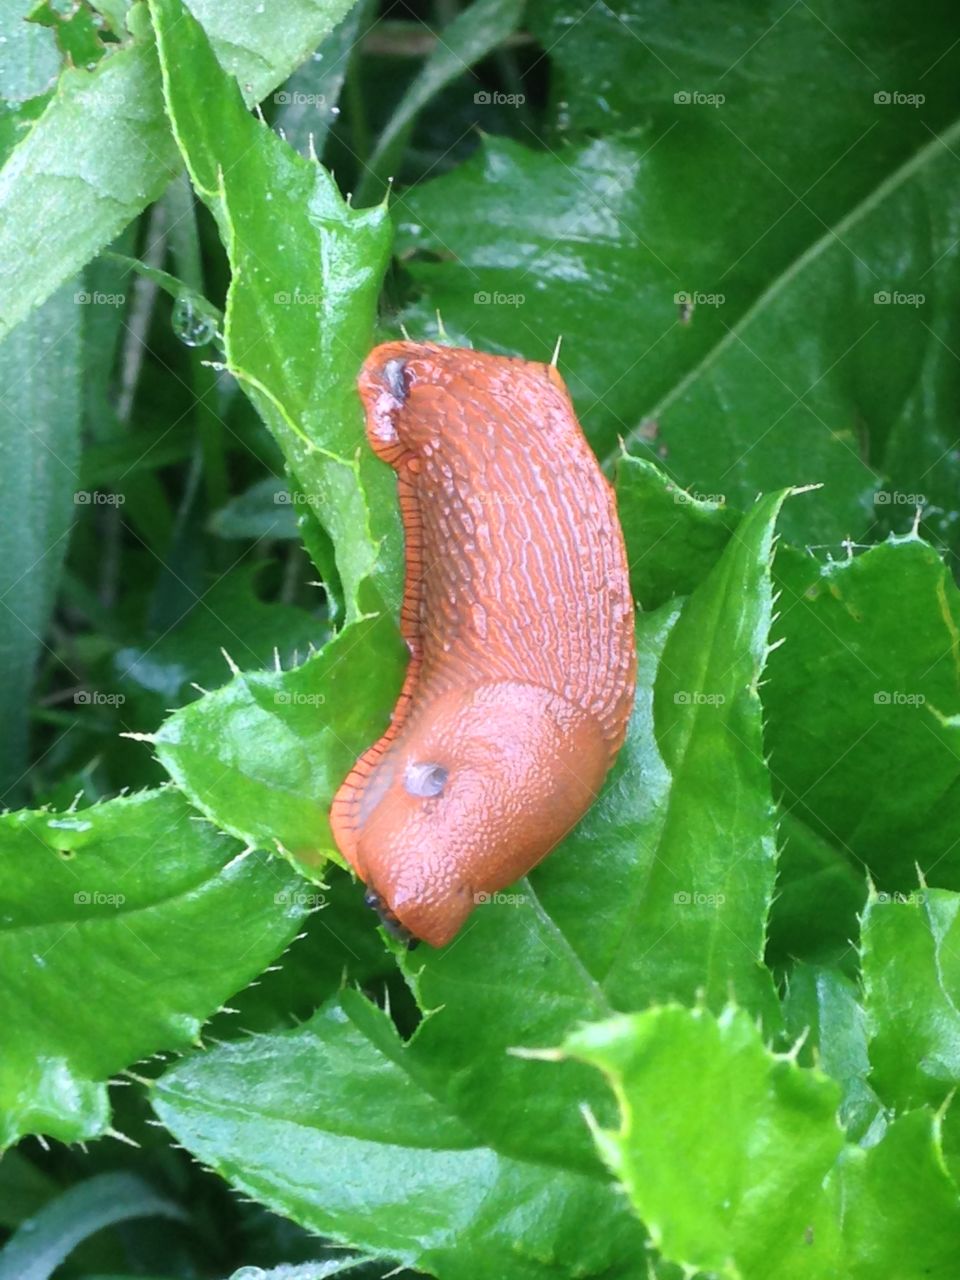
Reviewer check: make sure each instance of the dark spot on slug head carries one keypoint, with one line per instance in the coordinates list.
(395, 375)
(424, 780)
(389, 921)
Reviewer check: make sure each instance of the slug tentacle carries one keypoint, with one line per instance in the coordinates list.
(519, 621)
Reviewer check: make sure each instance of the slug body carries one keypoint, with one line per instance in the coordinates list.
(518, 616)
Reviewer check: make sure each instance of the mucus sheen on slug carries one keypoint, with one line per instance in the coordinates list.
(518, 616)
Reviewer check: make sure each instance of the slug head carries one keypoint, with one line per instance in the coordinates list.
(476, 789)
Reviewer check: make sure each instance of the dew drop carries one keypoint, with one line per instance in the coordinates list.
(192, 325)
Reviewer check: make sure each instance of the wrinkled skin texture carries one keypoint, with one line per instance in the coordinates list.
(519, 621)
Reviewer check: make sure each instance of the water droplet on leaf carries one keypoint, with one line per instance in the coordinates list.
(192, 323)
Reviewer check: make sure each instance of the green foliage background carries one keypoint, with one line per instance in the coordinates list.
(716, 1034)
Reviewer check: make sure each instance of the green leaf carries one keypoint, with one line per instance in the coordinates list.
(813, 870)
(259, 44)
(115, 461)
(911, 979)
(670, 905)
(263, 756)
(105, 319)
(29, 60)
(77, 34)
(516, 246)
(97, 156)
(733, 1157)
(306, 274)
(39, 458)
(709, 891)
(333, 1125)
(823, 1007)
(122, 928)
(340, 946)
(102, 150)
(900, 1190)
(16, 120)
(198, 308)
(855, 702)
(859, 381)
(307, 104)
(40, 1245)
(469, 37)
(783, 182)
(723, 1146)
(265, 510)
(797, 237)
(23, 1189)
(673, 538)
(614, 68)
(163, 671)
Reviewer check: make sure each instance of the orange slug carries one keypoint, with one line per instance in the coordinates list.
(519, 621)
